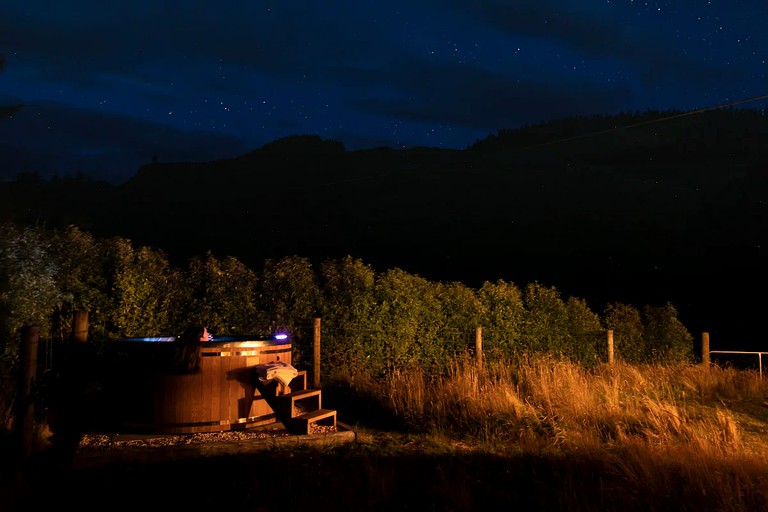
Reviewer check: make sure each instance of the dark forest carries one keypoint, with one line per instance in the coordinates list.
(642, 208)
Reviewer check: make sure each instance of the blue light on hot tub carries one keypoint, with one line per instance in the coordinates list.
(251, 338)
(155, 339)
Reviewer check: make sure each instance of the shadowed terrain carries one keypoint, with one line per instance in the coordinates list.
(643, 209)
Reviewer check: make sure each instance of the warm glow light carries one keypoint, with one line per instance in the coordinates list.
(246, 344)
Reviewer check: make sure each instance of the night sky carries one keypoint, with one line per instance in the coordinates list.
(105, 86)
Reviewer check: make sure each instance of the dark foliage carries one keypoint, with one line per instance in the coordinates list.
(640, 208)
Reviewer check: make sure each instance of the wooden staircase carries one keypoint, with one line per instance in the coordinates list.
(296, 406)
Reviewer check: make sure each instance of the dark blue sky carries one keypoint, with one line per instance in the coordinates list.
(107, 85)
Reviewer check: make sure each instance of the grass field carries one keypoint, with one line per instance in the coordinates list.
(533, 434)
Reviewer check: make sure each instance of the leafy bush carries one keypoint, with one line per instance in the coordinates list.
(373, 323)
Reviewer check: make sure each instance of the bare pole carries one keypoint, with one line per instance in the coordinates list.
(316, 347)
(705, 348)
(25, 404)
(610, 346)
(479, 347)
(80, 326)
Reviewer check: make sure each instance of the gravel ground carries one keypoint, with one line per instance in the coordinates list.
(121, 441)
(117, 441)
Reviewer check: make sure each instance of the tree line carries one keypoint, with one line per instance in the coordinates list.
(373, 321)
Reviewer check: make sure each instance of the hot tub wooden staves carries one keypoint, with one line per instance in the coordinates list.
(147, 395)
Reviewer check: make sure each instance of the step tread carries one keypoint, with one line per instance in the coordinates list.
(302, 424)
(302, 393)
(319, 414)
(299, 382)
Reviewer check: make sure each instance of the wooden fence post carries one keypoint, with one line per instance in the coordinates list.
(610, 346)
(705, 348)
(25, 402)
(80, 327)
(316, 362)
(479, 347)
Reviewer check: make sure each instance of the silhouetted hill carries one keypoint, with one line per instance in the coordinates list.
(642, 208)
(48, 138)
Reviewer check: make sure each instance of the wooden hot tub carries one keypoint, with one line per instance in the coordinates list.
(147, 395)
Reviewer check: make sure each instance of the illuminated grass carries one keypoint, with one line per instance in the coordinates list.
(670, 434)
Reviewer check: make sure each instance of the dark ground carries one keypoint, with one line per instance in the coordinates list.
(377, 471)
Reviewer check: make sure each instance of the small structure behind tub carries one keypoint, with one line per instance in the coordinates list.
(149, 395)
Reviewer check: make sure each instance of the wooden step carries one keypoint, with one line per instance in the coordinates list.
(299, 402)
(302, 424)
(298, 383)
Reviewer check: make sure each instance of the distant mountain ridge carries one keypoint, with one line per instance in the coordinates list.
(645, 208)
(51, 139)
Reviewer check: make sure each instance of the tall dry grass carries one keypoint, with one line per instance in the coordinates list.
(554, 402)
(668, 430)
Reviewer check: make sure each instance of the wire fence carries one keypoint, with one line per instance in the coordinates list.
(744, 360)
